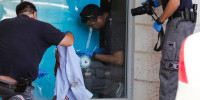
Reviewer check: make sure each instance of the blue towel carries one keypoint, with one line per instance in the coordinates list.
(69, 78)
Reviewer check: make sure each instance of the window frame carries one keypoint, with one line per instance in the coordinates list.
(129, 54)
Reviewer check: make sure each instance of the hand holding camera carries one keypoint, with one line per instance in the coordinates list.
(156, 3)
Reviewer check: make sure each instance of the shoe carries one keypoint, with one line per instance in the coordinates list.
(119, 91)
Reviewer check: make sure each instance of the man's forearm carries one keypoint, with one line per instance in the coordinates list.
(170, 9)
(116, 58)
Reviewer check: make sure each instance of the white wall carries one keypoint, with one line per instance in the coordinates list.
(146, 60)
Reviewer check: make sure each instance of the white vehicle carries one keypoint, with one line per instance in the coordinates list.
(189, 69)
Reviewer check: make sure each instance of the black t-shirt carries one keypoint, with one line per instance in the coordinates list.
(112, 36)
(113, 40)
(23, 41)
(183, 4)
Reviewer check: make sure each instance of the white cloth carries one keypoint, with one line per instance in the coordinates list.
(69, 78)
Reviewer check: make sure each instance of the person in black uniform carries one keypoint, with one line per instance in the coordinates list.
(181, 22)
(107, 68)
(23, 41)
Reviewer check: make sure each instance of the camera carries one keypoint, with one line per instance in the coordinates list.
(147, 8)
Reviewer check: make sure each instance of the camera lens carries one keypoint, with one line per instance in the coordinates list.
(138, 11)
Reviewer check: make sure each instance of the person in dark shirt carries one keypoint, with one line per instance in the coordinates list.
(107, 68)
(181, 23)
(23, 41)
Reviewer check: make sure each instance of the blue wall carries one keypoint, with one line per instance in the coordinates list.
(63, 14)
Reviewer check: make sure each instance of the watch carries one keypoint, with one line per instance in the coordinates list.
(158, 21)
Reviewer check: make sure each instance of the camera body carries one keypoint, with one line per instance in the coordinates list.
(147, 8)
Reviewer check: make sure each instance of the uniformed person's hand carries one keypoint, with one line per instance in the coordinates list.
(156, 3)
(42, 73)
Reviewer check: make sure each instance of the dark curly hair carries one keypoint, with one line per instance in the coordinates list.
(90, 13)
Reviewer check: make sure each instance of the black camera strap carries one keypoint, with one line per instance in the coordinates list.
(161, 36)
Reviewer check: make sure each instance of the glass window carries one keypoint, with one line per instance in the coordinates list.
(106, 75)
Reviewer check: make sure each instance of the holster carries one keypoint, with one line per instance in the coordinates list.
(191, 14)
(22, 84)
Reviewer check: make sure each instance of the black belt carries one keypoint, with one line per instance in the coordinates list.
(186, 15)
(177, 14)
(7, 85)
